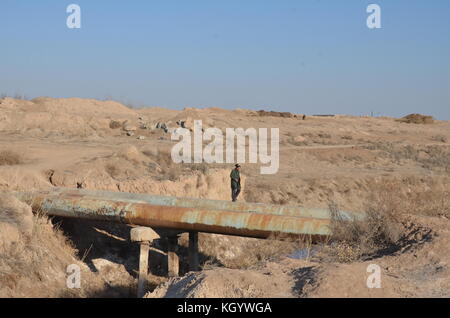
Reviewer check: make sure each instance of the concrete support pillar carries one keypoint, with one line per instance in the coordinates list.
(144, 236)
(143, 269)
(193, 251)
(173, 260)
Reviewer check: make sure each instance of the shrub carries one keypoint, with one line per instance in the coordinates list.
(381, 229)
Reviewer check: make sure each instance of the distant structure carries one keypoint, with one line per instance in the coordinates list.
(325, 115)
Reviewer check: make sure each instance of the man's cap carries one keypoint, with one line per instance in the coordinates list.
(237, 165)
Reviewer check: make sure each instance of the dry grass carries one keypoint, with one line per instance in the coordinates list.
(428, 157)
(291, 140)
(169, 170)
(246, 253)
(10, 158)
(383, 228)
(173, 171)
(357, 239)
(34, 264)
(258, 252)
(419, 196)
(113, 170)
(440, 138)
(201, 167)
(114, 124)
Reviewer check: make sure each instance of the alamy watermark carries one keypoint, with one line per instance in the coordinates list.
(74, 276)
(374, 19)
(190, 148)
(374, 279)
(74, 19)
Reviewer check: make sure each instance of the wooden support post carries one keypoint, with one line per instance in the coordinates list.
(193, 251)
(173, 261)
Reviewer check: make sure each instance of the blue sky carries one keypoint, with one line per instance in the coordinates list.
(310, 56)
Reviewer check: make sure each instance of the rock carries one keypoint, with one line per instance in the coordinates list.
(129, 127)
(130, 133)
(162, 126)
(140, 137)
(187, 123)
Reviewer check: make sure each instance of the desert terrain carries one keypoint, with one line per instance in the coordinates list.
(397, 171)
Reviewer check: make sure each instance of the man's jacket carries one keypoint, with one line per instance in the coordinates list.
(235, 178)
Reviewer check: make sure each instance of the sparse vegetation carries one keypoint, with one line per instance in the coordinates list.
(356, 239)
(324, 135)
(172, 171)
(32, 253)
(250, 253)
(201, 167)
(114, 124)
(297, 142)
(113, 170)
(429, 157)
(384, 225)
(169, 170)
(440, 138)
(10, 158)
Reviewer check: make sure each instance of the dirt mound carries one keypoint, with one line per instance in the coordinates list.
(61, 116)
(17, 178)
(130, 170)
(276, 114)
(417, 119)
(34, 259)
(15, 219)
(224, 283)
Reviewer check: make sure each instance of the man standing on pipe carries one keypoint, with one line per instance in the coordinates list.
(235, 182)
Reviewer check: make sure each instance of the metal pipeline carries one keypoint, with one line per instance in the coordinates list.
(184, 214)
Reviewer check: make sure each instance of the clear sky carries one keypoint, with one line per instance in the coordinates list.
(305, 56)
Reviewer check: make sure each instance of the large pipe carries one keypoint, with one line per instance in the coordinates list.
(184, 214)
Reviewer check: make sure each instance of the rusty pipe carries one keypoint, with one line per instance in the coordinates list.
(212, 216)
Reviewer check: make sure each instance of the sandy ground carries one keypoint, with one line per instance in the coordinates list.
(72, 142)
